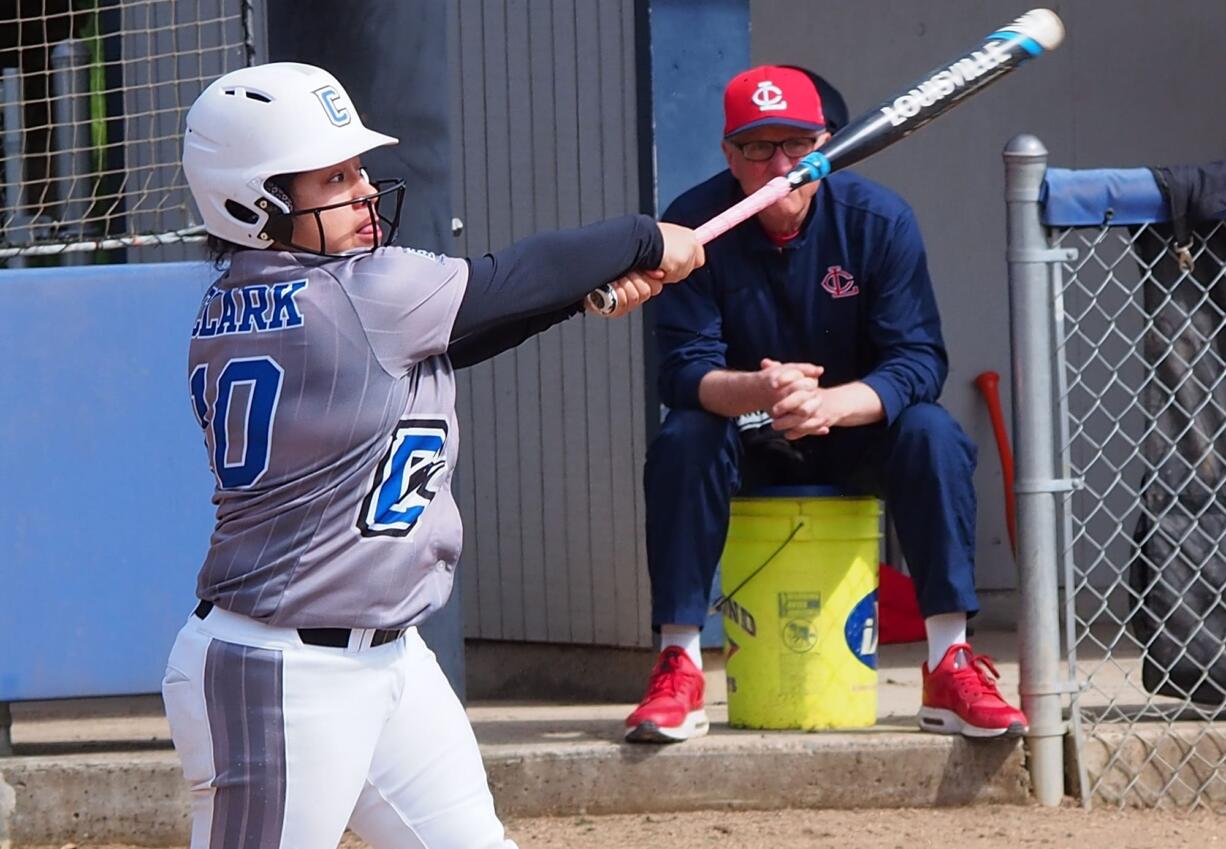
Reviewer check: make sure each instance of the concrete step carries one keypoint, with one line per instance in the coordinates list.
(555, 760)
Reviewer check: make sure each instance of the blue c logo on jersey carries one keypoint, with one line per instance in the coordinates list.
(338, 114)
(406, 480)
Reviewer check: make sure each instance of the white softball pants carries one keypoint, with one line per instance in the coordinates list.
(285, 744)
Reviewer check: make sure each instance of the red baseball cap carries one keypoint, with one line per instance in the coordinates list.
(769, 94)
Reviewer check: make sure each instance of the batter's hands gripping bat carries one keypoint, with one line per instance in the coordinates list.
(894, 119)
(989, 385)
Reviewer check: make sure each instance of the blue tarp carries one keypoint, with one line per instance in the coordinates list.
(1098, 196)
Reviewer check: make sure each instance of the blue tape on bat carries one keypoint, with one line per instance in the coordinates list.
(1028, 44)
(815, 166)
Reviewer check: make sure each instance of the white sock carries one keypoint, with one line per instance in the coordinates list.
(944, 630)
(685, 636)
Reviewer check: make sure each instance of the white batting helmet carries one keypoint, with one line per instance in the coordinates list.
(258, 122)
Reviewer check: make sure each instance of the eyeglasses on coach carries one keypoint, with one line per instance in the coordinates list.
(761, 151)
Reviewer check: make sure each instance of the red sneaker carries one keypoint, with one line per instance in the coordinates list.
(960, 697)
(672, 709)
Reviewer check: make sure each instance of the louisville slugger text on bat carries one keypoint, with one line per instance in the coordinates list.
(895, 118)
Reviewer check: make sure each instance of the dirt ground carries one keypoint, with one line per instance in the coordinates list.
(997, 827)
(956, 828)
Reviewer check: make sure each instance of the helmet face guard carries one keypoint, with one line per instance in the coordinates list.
(280, 227)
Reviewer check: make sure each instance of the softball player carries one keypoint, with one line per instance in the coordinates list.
(301, 698)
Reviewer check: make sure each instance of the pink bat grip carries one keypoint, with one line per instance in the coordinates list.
(771, 193)
(604, 300)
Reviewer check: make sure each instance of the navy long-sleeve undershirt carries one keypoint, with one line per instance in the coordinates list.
(541, 280)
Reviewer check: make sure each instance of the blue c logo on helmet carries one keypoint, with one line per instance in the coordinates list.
(331, 100)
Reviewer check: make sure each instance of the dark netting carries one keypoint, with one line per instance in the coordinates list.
(93, 99)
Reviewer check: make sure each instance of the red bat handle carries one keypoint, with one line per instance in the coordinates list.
(989, 385)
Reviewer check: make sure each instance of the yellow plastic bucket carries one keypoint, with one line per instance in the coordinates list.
(801, 633)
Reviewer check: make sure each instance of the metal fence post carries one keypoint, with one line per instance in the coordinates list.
(74, 168)
(6, 732)
(13, 219)
(1033, 353)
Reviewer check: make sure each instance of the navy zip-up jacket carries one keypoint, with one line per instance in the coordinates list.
(850, 293)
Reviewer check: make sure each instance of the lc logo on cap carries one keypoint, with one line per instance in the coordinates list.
(771, 95)
(768, 97)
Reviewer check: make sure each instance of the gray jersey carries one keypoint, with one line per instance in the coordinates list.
(328, 407)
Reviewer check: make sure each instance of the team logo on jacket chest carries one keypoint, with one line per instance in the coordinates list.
(839, 282)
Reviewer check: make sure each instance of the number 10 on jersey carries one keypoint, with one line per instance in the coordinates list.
(238, 428)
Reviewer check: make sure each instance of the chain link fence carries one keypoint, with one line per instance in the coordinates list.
(1139, 393)
(1144, 402)
(93, 96)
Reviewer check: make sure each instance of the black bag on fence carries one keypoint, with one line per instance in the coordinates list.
(1178, 571)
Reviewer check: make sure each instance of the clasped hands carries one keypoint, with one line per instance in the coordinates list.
(798, 405)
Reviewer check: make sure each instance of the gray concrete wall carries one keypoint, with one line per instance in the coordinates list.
(1133, 84)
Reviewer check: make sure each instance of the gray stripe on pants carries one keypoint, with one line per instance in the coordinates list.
(242, 691)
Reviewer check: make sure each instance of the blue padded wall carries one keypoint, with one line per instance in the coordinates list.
(105, 484)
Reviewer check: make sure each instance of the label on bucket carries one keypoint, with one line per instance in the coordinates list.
(798, 614)
(861, 630)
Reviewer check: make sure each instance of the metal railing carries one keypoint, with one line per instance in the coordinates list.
(1120, 423)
